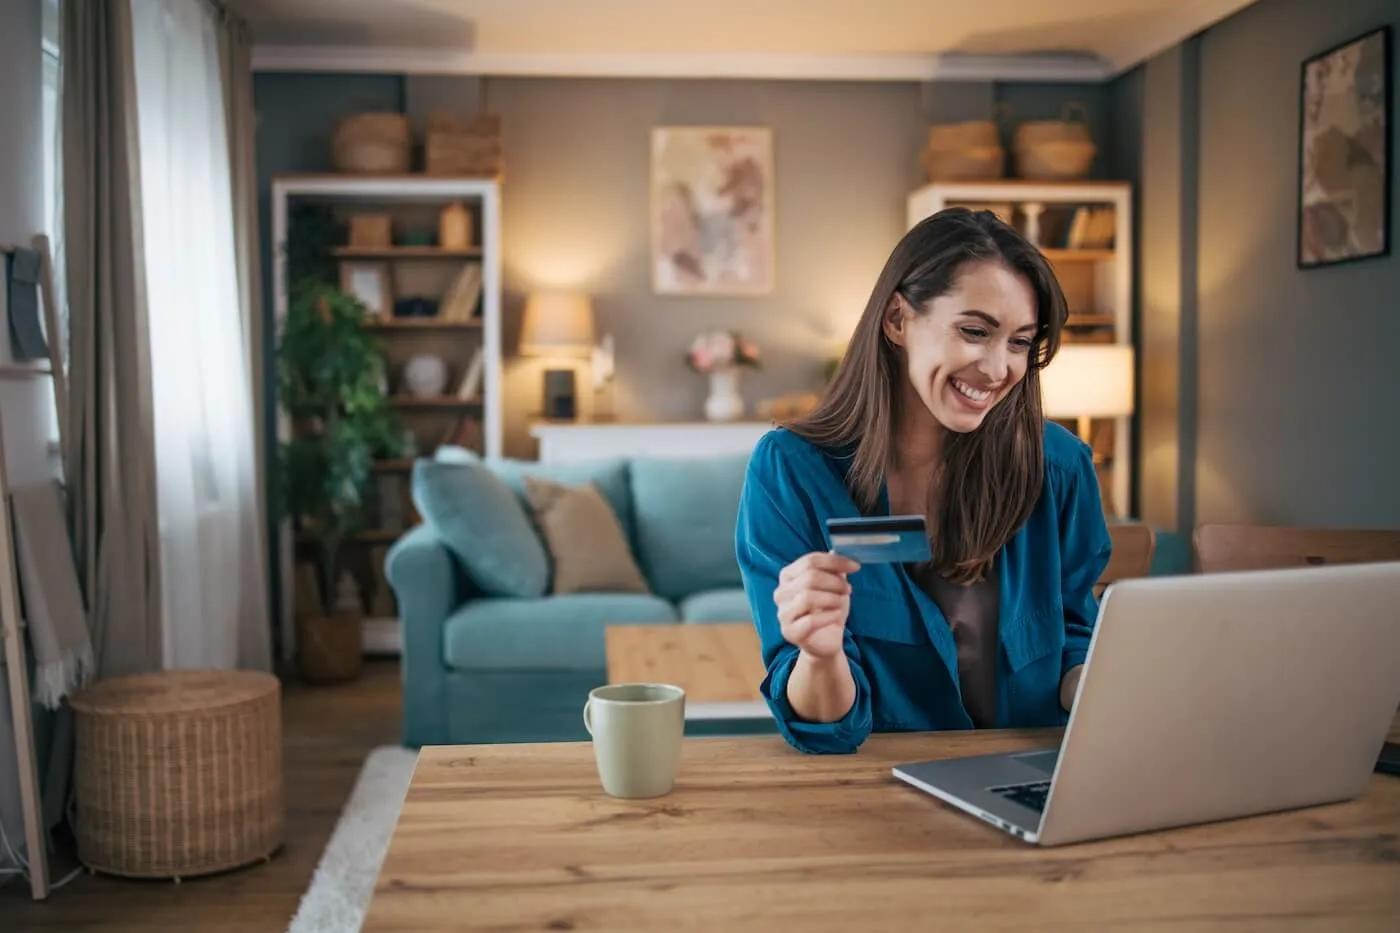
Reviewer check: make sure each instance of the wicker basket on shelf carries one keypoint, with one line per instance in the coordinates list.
(969, 151)
(458, 147)
(1055, 150)
(178, 773)
(372, 144)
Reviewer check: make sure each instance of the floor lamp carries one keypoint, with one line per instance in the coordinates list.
(1086, 381)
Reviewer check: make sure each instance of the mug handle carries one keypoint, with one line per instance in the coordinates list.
(588, 715)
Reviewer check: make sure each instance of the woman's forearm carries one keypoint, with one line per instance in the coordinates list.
(821, 689)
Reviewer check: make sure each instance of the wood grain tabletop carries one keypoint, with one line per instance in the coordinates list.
(714, 662)
(757, 836)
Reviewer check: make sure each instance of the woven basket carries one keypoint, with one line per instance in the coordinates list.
(1055, 161)
(178, 773)
(456, 147)
(372, 144)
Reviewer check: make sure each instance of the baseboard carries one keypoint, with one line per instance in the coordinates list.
(382, 636)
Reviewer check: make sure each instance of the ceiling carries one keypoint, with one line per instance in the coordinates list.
(781, 38)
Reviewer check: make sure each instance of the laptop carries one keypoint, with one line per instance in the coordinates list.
(1204, 697)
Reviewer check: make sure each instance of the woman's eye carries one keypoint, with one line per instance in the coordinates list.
(976, 333)
(1022, 345)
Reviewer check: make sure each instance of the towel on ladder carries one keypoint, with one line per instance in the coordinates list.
(52, 596)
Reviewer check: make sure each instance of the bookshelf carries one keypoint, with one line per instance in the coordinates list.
(426, 301)
(1085, 230)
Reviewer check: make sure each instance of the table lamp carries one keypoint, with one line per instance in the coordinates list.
(1087, 381)
(558, 324)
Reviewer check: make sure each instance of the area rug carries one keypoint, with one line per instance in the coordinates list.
(340, 889)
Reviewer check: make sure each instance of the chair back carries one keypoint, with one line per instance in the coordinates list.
(1133, 547)
(1221, 548)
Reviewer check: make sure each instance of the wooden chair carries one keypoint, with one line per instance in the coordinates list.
(1221, 548)
(1133, 547)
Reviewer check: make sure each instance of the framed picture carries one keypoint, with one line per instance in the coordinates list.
(368, 283)
(1344, 153)
(712, 210)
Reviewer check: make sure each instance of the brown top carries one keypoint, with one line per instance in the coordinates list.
(972, 615)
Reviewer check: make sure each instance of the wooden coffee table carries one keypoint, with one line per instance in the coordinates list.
(718, 664)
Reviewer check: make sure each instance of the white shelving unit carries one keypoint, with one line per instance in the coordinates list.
(1097, 281)
(374, 193)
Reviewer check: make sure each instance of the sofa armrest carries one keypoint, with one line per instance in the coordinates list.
(429, 585)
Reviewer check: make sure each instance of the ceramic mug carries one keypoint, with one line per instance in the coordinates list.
(637, 731)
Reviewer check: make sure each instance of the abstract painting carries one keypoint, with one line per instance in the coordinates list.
(1344, 153)
(712, 210)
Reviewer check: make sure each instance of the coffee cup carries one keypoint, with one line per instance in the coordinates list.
(637, 731)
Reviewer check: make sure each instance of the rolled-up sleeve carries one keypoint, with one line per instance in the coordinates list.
(777, 524)
(1085, 547)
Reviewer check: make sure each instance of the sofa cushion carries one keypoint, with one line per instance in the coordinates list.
(686, 512)
(726, 605)
(553, 633)
(610, 475)
(484, 524)
(587, 547)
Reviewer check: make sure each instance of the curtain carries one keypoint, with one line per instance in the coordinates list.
(213, 592)
(236, 60)
(109, 465)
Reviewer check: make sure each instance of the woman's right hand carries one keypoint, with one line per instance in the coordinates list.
(814, 599)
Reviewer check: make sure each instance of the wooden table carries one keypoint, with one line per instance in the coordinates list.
(718, 664)
(757, 836)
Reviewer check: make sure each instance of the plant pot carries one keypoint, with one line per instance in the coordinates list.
(724, 403)
(330, 648)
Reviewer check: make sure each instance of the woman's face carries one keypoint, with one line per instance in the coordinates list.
(972, 345)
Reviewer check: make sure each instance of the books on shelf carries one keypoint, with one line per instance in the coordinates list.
(462, 300)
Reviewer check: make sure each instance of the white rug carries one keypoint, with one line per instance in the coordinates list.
(344, 879)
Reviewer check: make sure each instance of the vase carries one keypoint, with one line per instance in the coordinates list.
(725, 403)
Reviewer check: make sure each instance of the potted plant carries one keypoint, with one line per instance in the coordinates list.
(719, 354)
(330, 377)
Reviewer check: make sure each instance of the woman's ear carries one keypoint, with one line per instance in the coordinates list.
(895, 320)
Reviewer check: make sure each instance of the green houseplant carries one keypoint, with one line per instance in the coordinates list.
(330, 383)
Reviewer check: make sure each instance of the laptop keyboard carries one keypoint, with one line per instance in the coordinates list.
(1030, 795)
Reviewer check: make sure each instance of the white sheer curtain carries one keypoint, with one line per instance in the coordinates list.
(212, 572)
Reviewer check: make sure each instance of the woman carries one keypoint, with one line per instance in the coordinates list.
(935, 410)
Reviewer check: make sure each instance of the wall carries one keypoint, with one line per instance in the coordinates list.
(576, 213)
(24, 404)
(575, 204)
(1298, 390)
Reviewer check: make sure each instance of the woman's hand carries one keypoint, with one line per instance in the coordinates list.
(814, 599)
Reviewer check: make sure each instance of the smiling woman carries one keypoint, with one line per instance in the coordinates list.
(935, 411)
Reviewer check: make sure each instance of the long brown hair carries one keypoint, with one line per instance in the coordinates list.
(992, 476)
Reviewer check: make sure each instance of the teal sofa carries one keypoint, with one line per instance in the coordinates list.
(482, 667)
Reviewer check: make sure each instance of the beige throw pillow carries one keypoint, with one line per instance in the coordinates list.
(585, 540)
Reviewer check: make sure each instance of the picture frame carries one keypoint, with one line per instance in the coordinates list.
(1344, 152)
(369, 284)
(712, 210)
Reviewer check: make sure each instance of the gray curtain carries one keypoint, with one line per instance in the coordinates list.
(236, 61)
(109, 460)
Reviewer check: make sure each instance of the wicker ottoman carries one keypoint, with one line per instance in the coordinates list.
(178, 773)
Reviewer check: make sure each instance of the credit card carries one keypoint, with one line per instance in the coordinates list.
(880, 539)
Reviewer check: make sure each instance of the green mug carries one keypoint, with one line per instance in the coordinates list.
(637, 731)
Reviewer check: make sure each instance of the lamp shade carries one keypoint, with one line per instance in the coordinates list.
(557, 323)
(1089, 380)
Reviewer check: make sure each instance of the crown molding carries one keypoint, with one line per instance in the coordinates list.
(947, 67)
(1177, 24)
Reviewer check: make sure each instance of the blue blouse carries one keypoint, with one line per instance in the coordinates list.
(901, 650)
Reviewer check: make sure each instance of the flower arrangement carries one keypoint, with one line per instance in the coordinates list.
(721, 349)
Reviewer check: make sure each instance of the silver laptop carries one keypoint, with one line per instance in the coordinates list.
(1205, 697)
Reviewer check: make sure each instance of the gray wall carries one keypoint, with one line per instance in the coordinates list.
(575, 212)
(576, 198)
(1298, 388)
(23, 404)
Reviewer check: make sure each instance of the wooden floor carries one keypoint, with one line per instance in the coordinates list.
(327, 732)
